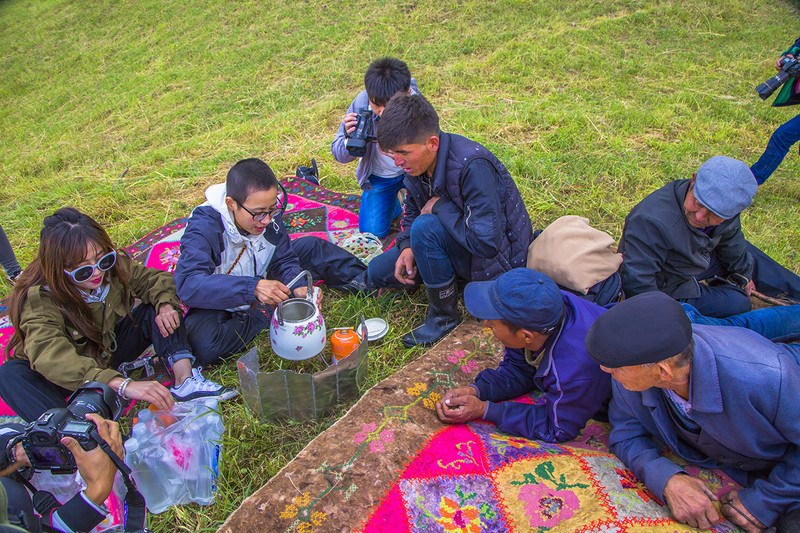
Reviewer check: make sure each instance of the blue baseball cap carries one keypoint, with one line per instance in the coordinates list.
(526, 298)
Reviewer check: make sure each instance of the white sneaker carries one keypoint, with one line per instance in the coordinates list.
(196, 386)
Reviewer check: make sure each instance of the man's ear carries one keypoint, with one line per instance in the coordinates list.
(694, 178)
(432, 144)
(231, 203)
(665, 372)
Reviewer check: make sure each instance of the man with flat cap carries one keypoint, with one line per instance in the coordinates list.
(719, 397)
(543, 330)
(689, 231)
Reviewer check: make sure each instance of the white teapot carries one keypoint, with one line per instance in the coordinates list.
(297, 330)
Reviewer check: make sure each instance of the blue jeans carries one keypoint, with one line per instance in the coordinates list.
(438, 256)
(379, 205)
(7, 258)
(777, 148)
(779, 324)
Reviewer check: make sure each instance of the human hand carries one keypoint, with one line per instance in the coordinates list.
(459, 391)
(460, 409)
(271, 292)
(350, 121)
(149, 391)
(691, 501)
(778, 62)
(302, 292)
(749, 288)
(427, 209)
(735, 512)
(167, 319)
(405, 269)
(20, 457)
(95, 466)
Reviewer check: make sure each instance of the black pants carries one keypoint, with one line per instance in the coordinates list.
(218, 334)
(30, 394)
(328, 262)
(722, 301)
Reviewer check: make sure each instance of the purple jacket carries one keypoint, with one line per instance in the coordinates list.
(575, 388)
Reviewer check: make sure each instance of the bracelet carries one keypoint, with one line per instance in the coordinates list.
(122, 387)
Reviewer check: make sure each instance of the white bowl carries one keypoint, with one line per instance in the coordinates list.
(377, 328)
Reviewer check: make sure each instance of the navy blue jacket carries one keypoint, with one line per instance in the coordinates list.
(662, 252)
(575, 388)
(744, 396)
(201, 248)
(479, 206)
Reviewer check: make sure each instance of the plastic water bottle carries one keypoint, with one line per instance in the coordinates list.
(151, 488)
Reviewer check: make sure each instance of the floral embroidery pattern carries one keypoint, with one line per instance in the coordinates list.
(299, 509)
(459, 357)
(375, 437)
(461, 505)
(169, 258)
(546, 506)
(629, 482)
(457, 518)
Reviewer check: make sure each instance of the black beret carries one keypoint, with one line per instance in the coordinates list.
(647, 328)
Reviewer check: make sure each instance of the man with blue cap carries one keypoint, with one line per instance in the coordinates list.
(719, 397)
(689, 231)
(543, 330)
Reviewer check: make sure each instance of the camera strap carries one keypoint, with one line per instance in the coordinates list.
(135, 514)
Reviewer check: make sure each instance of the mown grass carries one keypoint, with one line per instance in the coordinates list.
(128, 110)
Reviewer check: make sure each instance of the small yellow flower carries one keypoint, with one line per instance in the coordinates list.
(305, 527)
(416, 390)
(435, 396)
(304, 500)
(289, 512)
(429, 404)
(318, 518)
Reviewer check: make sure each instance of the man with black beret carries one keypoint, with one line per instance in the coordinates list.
(719, 397)
(689, 231)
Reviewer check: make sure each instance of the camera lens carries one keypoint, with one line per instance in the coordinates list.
(95, 398)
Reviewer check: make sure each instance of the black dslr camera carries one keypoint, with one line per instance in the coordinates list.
(364, 133)
(42, 438)
(790, 68)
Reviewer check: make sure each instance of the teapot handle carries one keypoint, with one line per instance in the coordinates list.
(279, 313)
(309, 284)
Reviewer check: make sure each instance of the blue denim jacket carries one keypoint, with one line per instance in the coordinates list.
(744, 396)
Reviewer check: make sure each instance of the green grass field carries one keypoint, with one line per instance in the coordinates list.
(129, 110)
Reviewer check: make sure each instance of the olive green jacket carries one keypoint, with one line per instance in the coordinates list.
(57, 350)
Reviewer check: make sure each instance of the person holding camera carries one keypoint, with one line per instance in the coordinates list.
(379, 178)
(786, 135)
(75, 321)
(85, 510)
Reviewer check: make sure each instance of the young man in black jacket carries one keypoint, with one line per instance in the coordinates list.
(464, 216)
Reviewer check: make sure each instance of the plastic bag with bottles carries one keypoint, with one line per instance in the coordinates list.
(174, 455)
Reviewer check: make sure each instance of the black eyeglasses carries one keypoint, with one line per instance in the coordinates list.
(81, 274)
(261, 215)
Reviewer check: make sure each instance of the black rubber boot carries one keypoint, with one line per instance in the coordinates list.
(442, 317)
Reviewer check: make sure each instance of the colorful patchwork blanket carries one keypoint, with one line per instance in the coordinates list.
(389, 465)
(310, 210)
